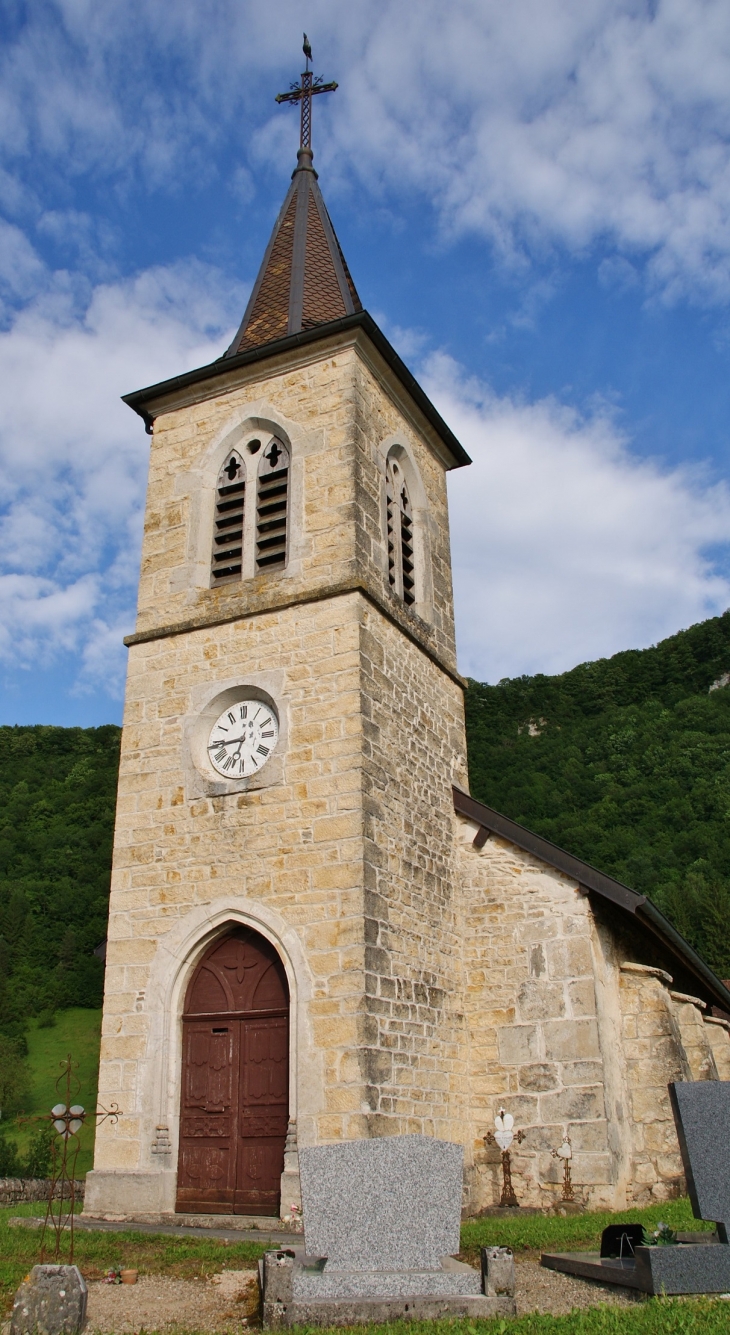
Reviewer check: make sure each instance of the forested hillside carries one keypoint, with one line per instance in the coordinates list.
(626, 763)
(57, 793)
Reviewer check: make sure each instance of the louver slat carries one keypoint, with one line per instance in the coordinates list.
(272, 505)
(401, 562)
(228, 522)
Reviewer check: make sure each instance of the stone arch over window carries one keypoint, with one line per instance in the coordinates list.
(272, 507)
(400, 530)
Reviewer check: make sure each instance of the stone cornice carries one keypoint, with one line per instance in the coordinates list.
(340, 589)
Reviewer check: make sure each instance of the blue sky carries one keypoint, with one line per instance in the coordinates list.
(534, 201)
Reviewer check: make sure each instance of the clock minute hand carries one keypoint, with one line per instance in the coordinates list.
(231, 741)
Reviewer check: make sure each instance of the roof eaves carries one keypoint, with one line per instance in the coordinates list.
(597, 882)
(587, 876)
(142, 400)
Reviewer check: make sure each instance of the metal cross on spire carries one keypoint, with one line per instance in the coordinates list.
(303, 92)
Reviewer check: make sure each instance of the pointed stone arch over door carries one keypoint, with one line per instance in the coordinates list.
(234, 1104)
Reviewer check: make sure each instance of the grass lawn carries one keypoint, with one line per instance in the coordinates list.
(94, 1253)
(578, 1232)
(76, 1031)
(190, 1258)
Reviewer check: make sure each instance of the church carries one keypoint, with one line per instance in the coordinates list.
(315, 932)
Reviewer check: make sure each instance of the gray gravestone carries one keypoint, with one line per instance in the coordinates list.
(702, 1115)
(381, 1224)
(388, 1204)
(51, 1301)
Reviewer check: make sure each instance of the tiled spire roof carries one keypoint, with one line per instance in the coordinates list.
(303, 280)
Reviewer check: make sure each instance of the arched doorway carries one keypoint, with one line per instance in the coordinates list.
(234, 1105)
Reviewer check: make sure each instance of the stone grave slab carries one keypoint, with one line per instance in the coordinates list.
(381, 1224)
(51, 1301)
(702, 1116)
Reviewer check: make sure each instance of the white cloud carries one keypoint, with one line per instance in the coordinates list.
(534, 123)
(73, 458)
(566, 547)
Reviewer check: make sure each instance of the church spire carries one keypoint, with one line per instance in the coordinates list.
(303, 280)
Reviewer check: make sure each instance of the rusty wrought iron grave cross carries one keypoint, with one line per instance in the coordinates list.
(65, 1121)
(309, 85)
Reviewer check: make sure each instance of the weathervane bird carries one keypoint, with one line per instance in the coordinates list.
(307, 49)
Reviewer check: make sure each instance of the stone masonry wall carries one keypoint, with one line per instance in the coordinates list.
(654, 1055)
(344, 849)
(296, 845)
(413, 749)
(695, 1036)
(718, 1033)
(534, 1040)
(352, 849)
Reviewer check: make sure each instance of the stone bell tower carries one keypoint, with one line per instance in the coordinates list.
(283, 959)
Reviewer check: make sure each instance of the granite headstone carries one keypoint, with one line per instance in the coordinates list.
(393, 1203)
(51, 1301)
(381, 1226)
(702, 1115)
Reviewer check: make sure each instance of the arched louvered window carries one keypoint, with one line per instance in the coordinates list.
(228, 522)
(272, 507)
(401, 565)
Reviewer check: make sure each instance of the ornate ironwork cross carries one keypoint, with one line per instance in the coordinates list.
(303, 92)
(66, 1120)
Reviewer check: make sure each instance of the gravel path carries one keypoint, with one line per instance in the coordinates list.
(541, 1290)
(228, 1303)
(224, 1303)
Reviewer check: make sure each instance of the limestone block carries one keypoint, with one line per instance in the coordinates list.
(518, 1044)
(582, 996)
(591, 1169)
(576, 1104)
(589, 1137)
(581, 1073)
(570, 1040)
(538, 1077)
(718, 1034)
(569, 958)
(539, 1000)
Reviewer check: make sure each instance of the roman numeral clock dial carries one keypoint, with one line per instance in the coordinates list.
(243, 738)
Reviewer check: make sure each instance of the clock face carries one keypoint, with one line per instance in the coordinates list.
(243, 738)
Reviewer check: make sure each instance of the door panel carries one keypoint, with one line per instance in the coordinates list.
(207, 1167)
(234, 1104)
(263, 1114)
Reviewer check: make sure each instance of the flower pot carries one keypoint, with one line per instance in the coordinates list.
(129, 1276)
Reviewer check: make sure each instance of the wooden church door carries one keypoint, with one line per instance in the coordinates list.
(234, 1106)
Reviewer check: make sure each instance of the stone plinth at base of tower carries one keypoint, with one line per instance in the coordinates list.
(130, 1194)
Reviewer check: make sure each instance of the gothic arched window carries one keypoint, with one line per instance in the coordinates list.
(228, 522)
(401, 564)
(272, 507)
